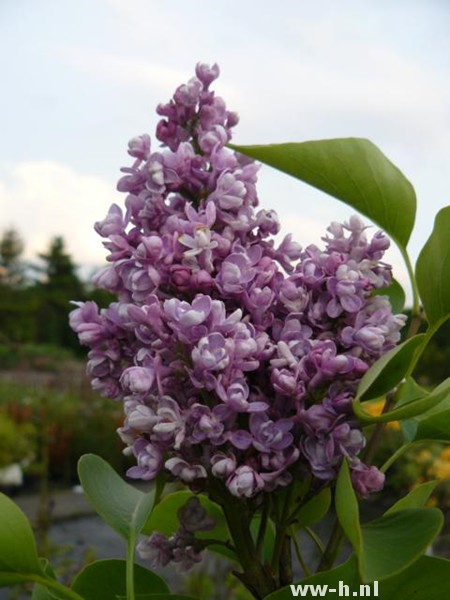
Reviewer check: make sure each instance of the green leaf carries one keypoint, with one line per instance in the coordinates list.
(106, 579)
(347, 572)
(314, 510)
(421, 407)
(388, 545)
(18, 553)
(390, 369)
(434, 424)
(428, 418)
(426, 579)
(395, 293)
(353, 170)
(435, 427)
(416, 498)
(119, 504)
(433, 270)
(409, 391)
(347, 508)
(392, 543)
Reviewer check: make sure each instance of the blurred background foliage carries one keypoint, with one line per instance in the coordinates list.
(35, 300)
(47, 408)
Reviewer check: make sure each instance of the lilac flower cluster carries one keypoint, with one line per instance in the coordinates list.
(235, 358)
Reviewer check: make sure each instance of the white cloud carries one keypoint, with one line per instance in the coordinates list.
(121, 70)
(156, 79)
(42, 199)
(379, 91)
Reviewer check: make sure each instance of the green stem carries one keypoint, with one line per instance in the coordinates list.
(316, 539)
(397, 454)
(285, 569)
(262, 526)
(332, 548)
(130, 568)
(54, 585)
(282, 524)
(414, 287)
(298, 553)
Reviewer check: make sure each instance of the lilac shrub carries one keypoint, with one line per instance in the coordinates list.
(236, 356)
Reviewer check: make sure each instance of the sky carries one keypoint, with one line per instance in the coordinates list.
(79, 78)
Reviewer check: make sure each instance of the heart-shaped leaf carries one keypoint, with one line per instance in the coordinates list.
(106, 579)
(353, 170)
(119, 504)
(433, 270)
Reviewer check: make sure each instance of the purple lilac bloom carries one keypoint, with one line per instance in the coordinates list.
(235, 358)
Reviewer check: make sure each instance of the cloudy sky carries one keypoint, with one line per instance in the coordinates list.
(81, 77)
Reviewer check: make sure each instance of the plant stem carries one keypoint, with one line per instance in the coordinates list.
(262, 526)
(397, 454)
(130, 568)
(301, 560)
(415, 292)
(282, 524)
(54, 585)
(332, 548)
(316, 539)
(285, 565)
(255, 577)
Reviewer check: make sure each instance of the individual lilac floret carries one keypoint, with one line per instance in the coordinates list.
(236, 358)
(366, 480)
(245, 482)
